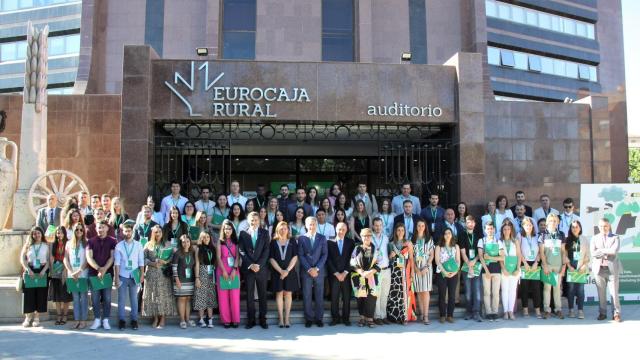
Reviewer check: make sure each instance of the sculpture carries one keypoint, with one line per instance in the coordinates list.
(36, 63)
(8, 173)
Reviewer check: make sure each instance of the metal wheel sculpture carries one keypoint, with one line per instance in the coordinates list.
(62, 183)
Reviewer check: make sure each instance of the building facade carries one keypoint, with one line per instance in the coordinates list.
(312, 92)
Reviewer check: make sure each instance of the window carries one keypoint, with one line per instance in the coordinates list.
(583, 72)
(520, 60)
(493, 55)
(544, 21)
(540, 64)
(491, 8)
(503, 12)
(517, 15)
(239, 29)
(12, 5)
(571, 70)
(13, 51)
(337, 30)
(569, 26)
(546, 65)
(559, 68)
(64, 45)
(534, 63)
(540, 19)
(506, 58)
(532, 18)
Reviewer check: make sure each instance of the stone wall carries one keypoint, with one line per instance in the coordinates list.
(542, 148)
(83, 136)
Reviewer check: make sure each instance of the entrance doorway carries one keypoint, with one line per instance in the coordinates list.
(382, 155)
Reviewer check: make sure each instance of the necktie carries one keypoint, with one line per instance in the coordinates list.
(254, 238)
(340, 246)
(51, 216)
(313, 240)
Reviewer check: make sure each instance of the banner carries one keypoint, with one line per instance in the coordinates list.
(620, 204)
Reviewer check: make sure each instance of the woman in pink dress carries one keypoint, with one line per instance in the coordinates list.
(227, 269)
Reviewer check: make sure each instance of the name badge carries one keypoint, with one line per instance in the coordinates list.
(532, 255)
(187, 273)
(76, 262)
(174, 242)
(472, 253)
(36, 263)
(555, 251)
(230, 261)
(576, 256)
(209, 269)
(433, 226)
(400, 262)
(144, 241)
(129, 264)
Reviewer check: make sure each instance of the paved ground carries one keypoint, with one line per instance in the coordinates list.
(588, 339)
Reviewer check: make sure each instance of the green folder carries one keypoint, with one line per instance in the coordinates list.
(233, 283)
(51, 231)
(511, 264)
(34, 281)
(166, 254)
(143, 241)
(99, 284)
(531, 274)
(217, 219)
(577, 277)
(450, 265)
(194, 232)
(135, 274)
(551, 279)
(79, 285)
(58, 267)
(476, 268)
(491, 249)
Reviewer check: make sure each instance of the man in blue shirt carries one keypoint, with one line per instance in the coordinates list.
(398, 201)
(129, 273)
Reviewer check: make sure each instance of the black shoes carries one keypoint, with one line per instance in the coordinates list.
(134, 324)
(602, 317)
(308, 324)
(347, 323)
(319, 323)
(334, 322)
(263, 324)
(122, 324)
(250, 325)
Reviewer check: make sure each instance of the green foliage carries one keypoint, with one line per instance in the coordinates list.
(634, 165)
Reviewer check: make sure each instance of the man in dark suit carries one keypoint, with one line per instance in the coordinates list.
(301, 195)
(49, 215)
(449, 223)
(408, 218)
(433, 214)
(254, 250)
(338, 266)
(312, 252)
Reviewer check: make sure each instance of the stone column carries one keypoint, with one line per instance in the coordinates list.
(469, 134)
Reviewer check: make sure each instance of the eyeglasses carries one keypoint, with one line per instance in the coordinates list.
(79, 229)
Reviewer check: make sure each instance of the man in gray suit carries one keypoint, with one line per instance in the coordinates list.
(49, 215)
(606, 268)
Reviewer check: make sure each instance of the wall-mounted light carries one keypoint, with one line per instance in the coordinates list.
(406, 56)
(202, 51)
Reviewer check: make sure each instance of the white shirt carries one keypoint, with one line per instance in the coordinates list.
(381, 243)
(168, 202)
(499, 220)
(206, 207)
(517, 222)
(136, 256)
(76, 260)
(327, 230)
(540, 214)
(232, 199)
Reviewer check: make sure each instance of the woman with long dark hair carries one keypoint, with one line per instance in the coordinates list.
(228, 260)
(577, 255)
(423, 250)
(205, 298)
(401, 303)
(57, 285)
(447, 252)
(34, 259)
(174, 228)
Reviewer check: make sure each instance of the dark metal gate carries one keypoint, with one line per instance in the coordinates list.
(200, 154)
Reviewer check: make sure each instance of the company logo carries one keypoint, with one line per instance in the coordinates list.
(234, 101)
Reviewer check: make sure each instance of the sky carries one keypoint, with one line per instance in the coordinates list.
(630, 22)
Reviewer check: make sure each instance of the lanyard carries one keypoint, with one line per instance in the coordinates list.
(259, 203)
(283, 253)
(363, 222)
(209, 255)
(145, 228)
(434, 212)
(205, 208)
(229, 248)
(471, 237)
(220, 211)
(127, 250)
(77, 252)
(175, 202)
(175, 231)
(36, 250)
(271, 216)
(507, 244)
(385, 219)
(187, 259)
(565, 218)
(298, 228)
(449, 252)
(530, 243)
(378, 242)
(117, 221)
(420, 247)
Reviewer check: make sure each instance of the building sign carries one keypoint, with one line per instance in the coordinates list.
(236, 101)
(302, 91)
(404, 110)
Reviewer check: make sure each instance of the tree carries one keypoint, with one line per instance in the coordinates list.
(634, 165)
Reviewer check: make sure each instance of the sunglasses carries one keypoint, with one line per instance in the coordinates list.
(79, 229)
(568, 206)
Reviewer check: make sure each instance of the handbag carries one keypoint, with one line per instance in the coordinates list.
(19, 283)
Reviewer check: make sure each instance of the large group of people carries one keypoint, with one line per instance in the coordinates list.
(388, 253)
